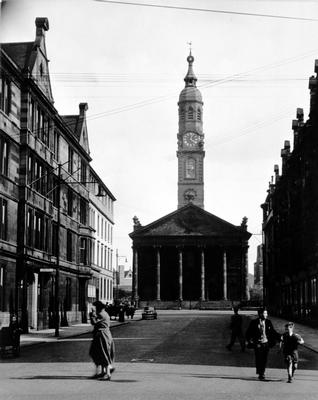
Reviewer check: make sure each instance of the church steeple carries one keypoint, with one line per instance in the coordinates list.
(190, 142)
(190, 79)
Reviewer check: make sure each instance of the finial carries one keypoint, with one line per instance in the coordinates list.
(190, 48)
(190, 58)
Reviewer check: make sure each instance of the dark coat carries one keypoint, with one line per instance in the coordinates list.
(253, 333)
(102, 348)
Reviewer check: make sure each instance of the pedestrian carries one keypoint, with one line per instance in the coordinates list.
(289, 343)
(236, 330)
(102, 350)
(261, 336)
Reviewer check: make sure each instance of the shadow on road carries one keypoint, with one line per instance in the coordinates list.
(240, 378)
(70, 377)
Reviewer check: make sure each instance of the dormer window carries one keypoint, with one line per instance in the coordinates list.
(190, 113)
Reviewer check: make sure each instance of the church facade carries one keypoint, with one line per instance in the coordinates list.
(190, 257)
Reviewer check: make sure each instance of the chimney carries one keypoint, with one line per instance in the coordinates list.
(285, 152)
(42, 25)
(297, 124)
(313, 93)
(276, 171)
(83, 107)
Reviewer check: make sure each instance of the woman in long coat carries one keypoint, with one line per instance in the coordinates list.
(102, 350)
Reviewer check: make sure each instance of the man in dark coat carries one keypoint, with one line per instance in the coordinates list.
(236, 330)
(261, 336)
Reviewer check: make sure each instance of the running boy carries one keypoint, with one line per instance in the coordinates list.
(289, 343)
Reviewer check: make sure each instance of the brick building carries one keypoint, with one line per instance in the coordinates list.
(47, 189)
(290, 222)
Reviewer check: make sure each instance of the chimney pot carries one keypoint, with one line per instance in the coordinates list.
(83, 107)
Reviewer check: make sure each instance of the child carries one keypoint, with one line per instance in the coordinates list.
(289, 343)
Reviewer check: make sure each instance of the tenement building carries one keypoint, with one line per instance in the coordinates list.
(290, 222)
(56, 214)
(190, 257)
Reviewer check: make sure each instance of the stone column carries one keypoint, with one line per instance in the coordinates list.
(158, 275)
(180, 275)
(246, 292)
(202, 275)
(135, 276)
(224, 275)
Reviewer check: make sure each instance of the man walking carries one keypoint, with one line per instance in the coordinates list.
(261, 336)
(236, 330)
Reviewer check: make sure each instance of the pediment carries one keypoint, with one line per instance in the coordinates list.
(190, 220)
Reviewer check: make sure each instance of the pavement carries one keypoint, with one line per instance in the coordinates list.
(48, 335)
(309, 334)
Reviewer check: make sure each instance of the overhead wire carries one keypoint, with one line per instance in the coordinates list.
(208, 84)
(208, 10)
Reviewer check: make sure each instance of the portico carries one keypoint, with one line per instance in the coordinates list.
(173, 263)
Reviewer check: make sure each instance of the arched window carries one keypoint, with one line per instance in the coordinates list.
(199, 112)
(190, 168)
(190, 113)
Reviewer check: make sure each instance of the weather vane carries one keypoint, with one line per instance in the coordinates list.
(190, 46)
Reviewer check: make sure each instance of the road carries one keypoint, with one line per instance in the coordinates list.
(179, 356)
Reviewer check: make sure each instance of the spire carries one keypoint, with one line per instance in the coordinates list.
(190, 79)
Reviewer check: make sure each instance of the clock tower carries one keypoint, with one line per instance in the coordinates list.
(190, 151)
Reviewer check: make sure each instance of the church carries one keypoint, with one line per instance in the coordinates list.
(190, 258)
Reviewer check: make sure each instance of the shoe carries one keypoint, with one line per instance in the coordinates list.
(261, 377)
(104, 378)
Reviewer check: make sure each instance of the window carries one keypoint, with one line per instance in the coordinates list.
(32, 124)
(29, 227)
(70, 160)
(3, 219)
(55, 145)
(97, 255)
(182, 114)
(199, 114)
(2, 283)
(190, 168)
(70, 202)
(190, 113)
(83, 213)
(69, 246)
(83, 173)
(4, 156)
(83, 251)
(5, 95)
(39, 231)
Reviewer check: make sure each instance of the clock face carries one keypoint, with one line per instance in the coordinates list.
(191, 139)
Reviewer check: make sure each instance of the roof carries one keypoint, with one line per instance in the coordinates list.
(19, 52)
(190, 221)
(72, 122)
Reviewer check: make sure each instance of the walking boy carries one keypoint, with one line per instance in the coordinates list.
(289, 343)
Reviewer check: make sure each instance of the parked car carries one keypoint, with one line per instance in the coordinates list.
(149, 313)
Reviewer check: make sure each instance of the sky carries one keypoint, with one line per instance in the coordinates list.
(253, 59)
